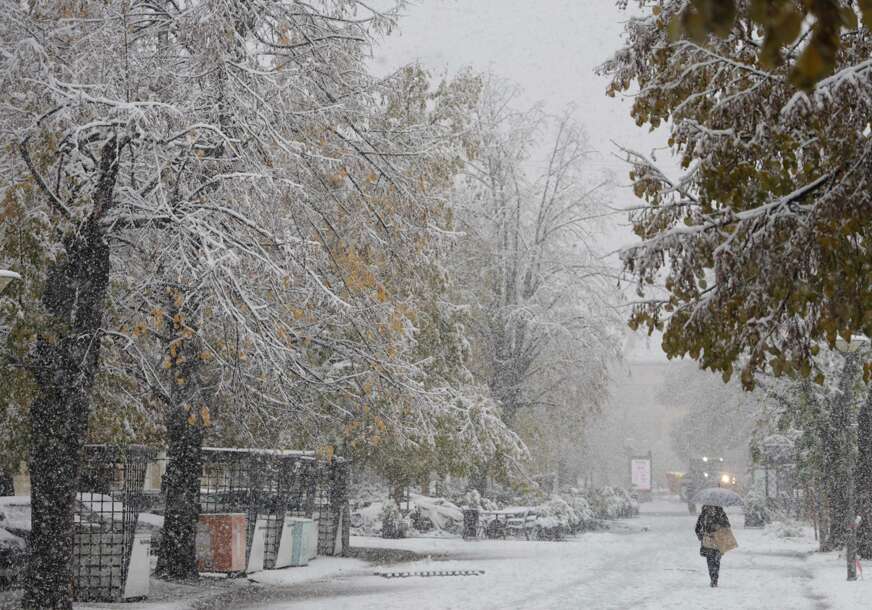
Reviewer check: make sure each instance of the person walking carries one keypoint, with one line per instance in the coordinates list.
(711, 519)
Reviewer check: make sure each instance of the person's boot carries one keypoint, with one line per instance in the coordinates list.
(714, 583)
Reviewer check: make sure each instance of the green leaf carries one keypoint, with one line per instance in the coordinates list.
(866, 11)
(790, 27)
(810, 68)
(849, 18)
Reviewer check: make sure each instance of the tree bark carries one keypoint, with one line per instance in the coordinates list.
(185, 421)
(864, 477)
(841, 447)
(837, 501)
(178, 555)
(63, 365)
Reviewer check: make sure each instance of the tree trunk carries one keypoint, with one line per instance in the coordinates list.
(837, 500)
(186, 419)
(178, 555)
(829, 488)
(63, 365)
(478, 478)
(841, 447)
(424, 483)
(864, 477)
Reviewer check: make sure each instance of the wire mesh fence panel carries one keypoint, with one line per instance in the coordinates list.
(284, 494)
(300, 477)
(263, 485)
(106, 512)
(259, 490)
(331, 508)
(228, 485)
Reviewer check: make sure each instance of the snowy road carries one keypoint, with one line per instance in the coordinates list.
(649, 562)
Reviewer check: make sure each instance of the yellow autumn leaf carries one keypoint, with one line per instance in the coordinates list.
(325, 452)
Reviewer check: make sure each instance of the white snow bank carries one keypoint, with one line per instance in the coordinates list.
(15, 512)
(319, 569)
(150, 521)
(829, 582)
(8, 540)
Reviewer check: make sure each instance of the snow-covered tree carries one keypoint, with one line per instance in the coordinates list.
(762, 246)
(777, 25)
(539, 307)
(719, 418)
(827, 417)
(224, 180)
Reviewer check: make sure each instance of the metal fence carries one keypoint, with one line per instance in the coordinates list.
(106, 512)
(269, 485)
(331, 509)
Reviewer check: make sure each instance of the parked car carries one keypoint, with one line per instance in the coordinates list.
(14, 537)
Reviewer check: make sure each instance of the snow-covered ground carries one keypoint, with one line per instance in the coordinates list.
(648, 562)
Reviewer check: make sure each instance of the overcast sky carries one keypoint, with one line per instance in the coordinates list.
(550, 48)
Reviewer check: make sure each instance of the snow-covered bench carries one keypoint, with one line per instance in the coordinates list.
(515, 521)
(521, 521)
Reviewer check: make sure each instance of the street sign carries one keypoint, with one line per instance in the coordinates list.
(640, 473)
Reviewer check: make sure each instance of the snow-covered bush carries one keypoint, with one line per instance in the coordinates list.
(629, 504)
(438, 514)
(586, 518)
(394, 523)
(367, 521)
(784, 529)
(473, 499)
(757, 512)
(556, 518)
(612, 503)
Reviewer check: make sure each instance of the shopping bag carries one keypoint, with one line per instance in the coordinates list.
(724, 540)
(708, 541)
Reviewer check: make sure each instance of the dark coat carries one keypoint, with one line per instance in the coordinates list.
(711, 518)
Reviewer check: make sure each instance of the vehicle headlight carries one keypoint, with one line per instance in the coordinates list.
(725, 478)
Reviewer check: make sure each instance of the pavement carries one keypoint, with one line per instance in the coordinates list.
(649, 562)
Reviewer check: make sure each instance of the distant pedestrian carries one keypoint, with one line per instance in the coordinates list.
(711, 519)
